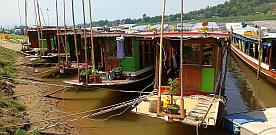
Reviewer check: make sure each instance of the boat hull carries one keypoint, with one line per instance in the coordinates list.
(132, 85)
(249, 61)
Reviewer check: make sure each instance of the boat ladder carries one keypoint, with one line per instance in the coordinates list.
(199, 112)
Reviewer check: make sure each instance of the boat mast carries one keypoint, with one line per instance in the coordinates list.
(92, 38)
(160, 57)
(58, 32)
(26, 23)
(75, 39)
(65, 30)
(39, 22)
(260, 51)
(85, 40)
(181, 62)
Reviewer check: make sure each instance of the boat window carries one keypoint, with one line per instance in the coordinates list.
(265, 57)
(208, 55)
(148, 53)
(128, 48)
(111, 48)
(191, 54)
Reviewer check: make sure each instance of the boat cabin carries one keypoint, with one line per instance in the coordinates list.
(133, 53)
(202, 61)
(48, 39)
(250, 47)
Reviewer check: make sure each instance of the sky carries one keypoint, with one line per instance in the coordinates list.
(12, 11)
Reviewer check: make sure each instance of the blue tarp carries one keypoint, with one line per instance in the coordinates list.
(234, 121)
(250, 40)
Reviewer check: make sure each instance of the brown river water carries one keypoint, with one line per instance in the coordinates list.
(242, 90)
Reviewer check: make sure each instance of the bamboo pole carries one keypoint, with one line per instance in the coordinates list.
(85, 41)
(75, 39)
(58, 42)
(92, 38)
(37, 24)
(65, 35)
(160, 57)
(26, 23)
(181, 62)
(260, 52)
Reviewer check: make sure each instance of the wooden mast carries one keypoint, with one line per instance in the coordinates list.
(85, 41)
(37, 24)
(92, 38)
(181, 62)
(26, 23)
(65, 35)
(75, 39)
(160, 58)
(58, 42)
(260, 52)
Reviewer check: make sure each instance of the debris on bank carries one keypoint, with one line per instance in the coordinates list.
(11, 112)
(6, 88)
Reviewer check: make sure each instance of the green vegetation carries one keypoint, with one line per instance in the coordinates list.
(16, 39)
(10, 52)
(233, 10)
(23, 132)
(6, 65)
(14, 105)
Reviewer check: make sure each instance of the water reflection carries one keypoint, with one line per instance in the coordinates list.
(244, 92)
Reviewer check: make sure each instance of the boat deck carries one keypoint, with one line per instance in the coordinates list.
(191, 104)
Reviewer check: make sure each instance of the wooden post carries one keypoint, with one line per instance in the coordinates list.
(270, 57)
(75, 39)
(260, 53)
(85, 41)
(37, 23)
(160, 58)
(58, 34)
(65, 35)
(92, 38)
(181, 63)
(26, 23)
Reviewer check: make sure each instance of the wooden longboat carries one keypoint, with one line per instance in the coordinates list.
(135, 61)
(47, 44)
(204, 61)
(245, 45)
(203, 58)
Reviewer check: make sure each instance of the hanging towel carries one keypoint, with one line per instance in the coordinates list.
(120, 49)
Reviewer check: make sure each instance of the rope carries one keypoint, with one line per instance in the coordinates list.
(130, 103)
(197, 130)
(70, 115)
(95, 114)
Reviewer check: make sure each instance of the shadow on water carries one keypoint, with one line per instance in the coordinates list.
(244, 92)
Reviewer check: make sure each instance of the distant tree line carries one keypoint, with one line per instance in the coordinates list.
(232, 8)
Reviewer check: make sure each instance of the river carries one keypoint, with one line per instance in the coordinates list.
(242, 90)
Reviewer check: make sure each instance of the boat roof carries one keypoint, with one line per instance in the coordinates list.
(191, 35)
(156, 35)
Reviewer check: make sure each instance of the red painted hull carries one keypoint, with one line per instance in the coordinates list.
(269, 75)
